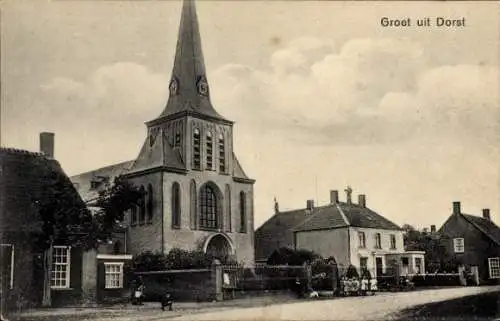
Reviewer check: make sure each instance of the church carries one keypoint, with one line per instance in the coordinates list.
(196, 194)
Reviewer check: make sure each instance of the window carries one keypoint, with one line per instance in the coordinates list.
(222, 154)
(113, 275)
(362, 239)
(176, 205)
(61, 260)
(196, 149)
(150, 204)
(208, 207)
(418, 265)
(95, 184)
(193, 200)
(133, 215)
(363, 263)
(458, 245)
(142, 205)
(494, 267)
(210, 155)
(393, 242)
(378, 241)
(228, 216)
(243, 214)
(7, 264)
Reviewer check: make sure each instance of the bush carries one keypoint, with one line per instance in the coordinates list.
(176, 259)
(288, 256)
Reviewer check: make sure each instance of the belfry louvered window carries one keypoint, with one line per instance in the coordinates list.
(196, 149)
(222, 154)
(210, 151)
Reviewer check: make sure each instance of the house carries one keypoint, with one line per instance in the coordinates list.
(196, 193)
(471, 240)
(350, 233)
(75, 277)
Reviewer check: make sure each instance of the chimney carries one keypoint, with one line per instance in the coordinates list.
(334, 197)
(362, 200)
(433, 228)
(486, 214)
(310, 205)
(456, 207)
(47, 144)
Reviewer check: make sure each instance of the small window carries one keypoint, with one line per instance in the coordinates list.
(362, 239)
(210, 155)
(61, 262)
(114, 275)
(95, 184)
(393, 242)
(458, 245)
(363, 263)
(378, 241)
(196, 149)
(494, 267)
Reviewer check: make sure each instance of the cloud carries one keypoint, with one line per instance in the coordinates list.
(367, 91)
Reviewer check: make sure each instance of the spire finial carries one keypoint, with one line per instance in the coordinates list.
(348, 192)
(276, 206)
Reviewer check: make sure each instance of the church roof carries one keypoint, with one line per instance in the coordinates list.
(157, 152)
(83, 182)
(189, 90)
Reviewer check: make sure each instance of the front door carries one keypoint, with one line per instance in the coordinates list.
(379, 266)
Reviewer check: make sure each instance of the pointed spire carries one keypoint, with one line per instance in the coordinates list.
(188, 86)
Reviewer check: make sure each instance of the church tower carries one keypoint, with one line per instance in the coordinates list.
(196, 195)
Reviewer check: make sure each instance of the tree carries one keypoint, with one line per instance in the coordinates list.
(65, 219)
(434, 245)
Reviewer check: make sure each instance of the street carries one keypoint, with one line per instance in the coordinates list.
(381, 306)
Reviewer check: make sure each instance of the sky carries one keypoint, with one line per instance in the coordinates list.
(322, 95)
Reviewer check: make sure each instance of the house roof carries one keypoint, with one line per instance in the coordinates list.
(83, 181)
(327, 217)
(24, 176)
(344, 214)
(487, 227)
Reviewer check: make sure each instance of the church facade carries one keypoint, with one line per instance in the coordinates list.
(196, 194)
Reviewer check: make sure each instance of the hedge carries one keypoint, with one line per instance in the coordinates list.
(436, 279)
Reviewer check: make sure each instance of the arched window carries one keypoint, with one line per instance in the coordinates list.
(176, 205)
(227, 216)
(222, 154)
(208, 207)
(210, 151)
(193, 203)
(243, 213)
(142, 205)
(196, 149)
(150, 204)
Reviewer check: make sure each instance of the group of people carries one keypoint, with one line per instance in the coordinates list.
(357, 286)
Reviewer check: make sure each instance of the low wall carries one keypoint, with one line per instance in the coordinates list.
(185, 285)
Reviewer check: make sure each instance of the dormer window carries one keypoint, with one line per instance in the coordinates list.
(210, 151)
(222, 154)
(196, 149)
